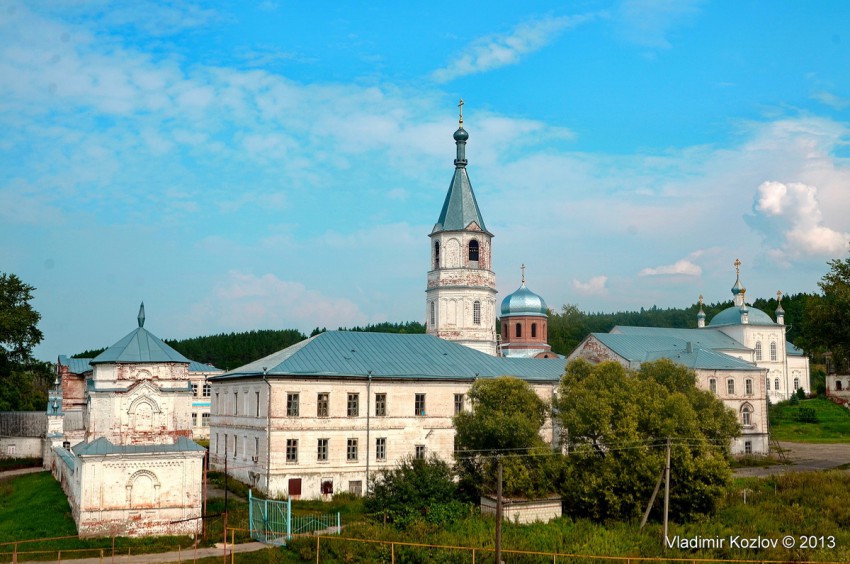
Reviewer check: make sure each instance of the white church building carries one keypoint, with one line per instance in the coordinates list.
(741, 356)
(131, 469)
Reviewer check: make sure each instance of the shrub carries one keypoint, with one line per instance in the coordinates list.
(806, 415)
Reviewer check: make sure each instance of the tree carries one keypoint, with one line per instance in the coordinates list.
(415, 489)
(505, 421)
(618, 423)
(23, 382)
(19, 333)
(825, 320)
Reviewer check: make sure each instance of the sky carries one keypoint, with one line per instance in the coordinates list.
(273, 164)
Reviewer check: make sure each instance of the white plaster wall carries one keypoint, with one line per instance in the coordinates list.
(21, 447)
(401, 427)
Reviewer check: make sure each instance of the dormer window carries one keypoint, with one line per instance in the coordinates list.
(473, 251)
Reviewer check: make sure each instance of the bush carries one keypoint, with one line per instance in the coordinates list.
(806, 415)
(415, 490)
(801, 393)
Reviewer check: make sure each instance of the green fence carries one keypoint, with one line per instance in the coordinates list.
(271, 521)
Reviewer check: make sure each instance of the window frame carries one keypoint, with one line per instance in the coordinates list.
(474, 247)
(476, 312)
(460, 403)
(730, 386)
(206, 390)
(351, 450)
(292, 451)
(353, 404)
(419, 452)
(323, 404)
(381, 404)
(293, 404)
(322, 449)
(748, 386)
(419, 405)
(381, 449)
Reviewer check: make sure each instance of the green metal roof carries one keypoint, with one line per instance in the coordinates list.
(707, 338)
(793, 350)
(392, 356)
(75, 365)
(195, 366)
(646, 347)
(460, 208)
(524, 302)
(140, 346)
(103, 446)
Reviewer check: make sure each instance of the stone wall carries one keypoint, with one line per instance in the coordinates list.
(524, 511)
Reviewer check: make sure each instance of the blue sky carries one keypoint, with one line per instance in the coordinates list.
(245, 166)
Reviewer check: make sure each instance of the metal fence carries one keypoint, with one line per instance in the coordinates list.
(271, 521)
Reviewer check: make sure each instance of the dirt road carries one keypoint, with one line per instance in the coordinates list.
(803, 457)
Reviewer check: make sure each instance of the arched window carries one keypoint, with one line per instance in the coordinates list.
(758, 350)
(504, 330)
(436, 255)
(473, 251)
(773, 351)
(518, 330)
(533, 330)
(433, 314)
(476, 312)
(712, 385)
(767, 383)
(796, 384)
(776, 384)
(747, 415)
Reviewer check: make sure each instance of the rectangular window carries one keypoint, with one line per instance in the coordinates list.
(420, 452)
(322, 405)
(381, 448)
(216, 404)
(292, 405)
(194, 390)
(257, 400)
(235, 403)
(749, 386)
(235, 445)
(730, 387)
(458, 403)
(353, 405)
(194, 420)
(380, 405)
(291, 451)
(206, 390)
(205, 419)
(419, 405)
(355, 487)
(217, 440)
(322, 450)
(748, 447)
(351, 450)
(256, 448)
(712, 385)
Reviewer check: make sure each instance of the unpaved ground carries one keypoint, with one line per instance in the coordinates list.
(803, 457)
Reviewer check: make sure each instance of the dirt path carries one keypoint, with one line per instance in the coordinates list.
(20, 472)
(804, 457)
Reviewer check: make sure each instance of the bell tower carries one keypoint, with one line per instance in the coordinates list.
(460, 299)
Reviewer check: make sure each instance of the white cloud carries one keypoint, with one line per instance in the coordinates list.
(649, 22)
(495, 51)
(243, 301)
(682, 267)
(831, 100)
(593, 287)
(794, 212)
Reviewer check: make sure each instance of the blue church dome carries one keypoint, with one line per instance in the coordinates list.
(524, 302)
(732, 316)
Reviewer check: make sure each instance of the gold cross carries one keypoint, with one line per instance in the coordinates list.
(460, 107)
(737, 264)
(779, 296)
(700, 300)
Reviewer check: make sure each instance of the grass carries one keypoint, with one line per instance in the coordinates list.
(832, 426)
(805, 503)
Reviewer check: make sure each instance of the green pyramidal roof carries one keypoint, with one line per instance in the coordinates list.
(140, 346)
(460, 208)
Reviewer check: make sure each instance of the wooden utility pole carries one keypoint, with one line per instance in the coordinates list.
(666, 492)
(499, 512)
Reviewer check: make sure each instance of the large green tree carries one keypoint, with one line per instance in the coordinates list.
(23, 381)
(617, 423)
(504, 423)
(825, 320)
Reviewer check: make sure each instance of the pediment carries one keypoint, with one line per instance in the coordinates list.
(473, 226)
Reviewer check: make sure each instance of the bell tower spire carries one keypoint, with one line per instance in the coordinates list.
(461, 292)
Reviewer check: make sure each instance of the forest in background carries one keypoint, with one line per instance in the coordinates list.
(567, 329)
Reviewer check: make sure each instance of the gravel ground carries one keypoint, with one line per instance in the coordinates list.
(804, 457)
